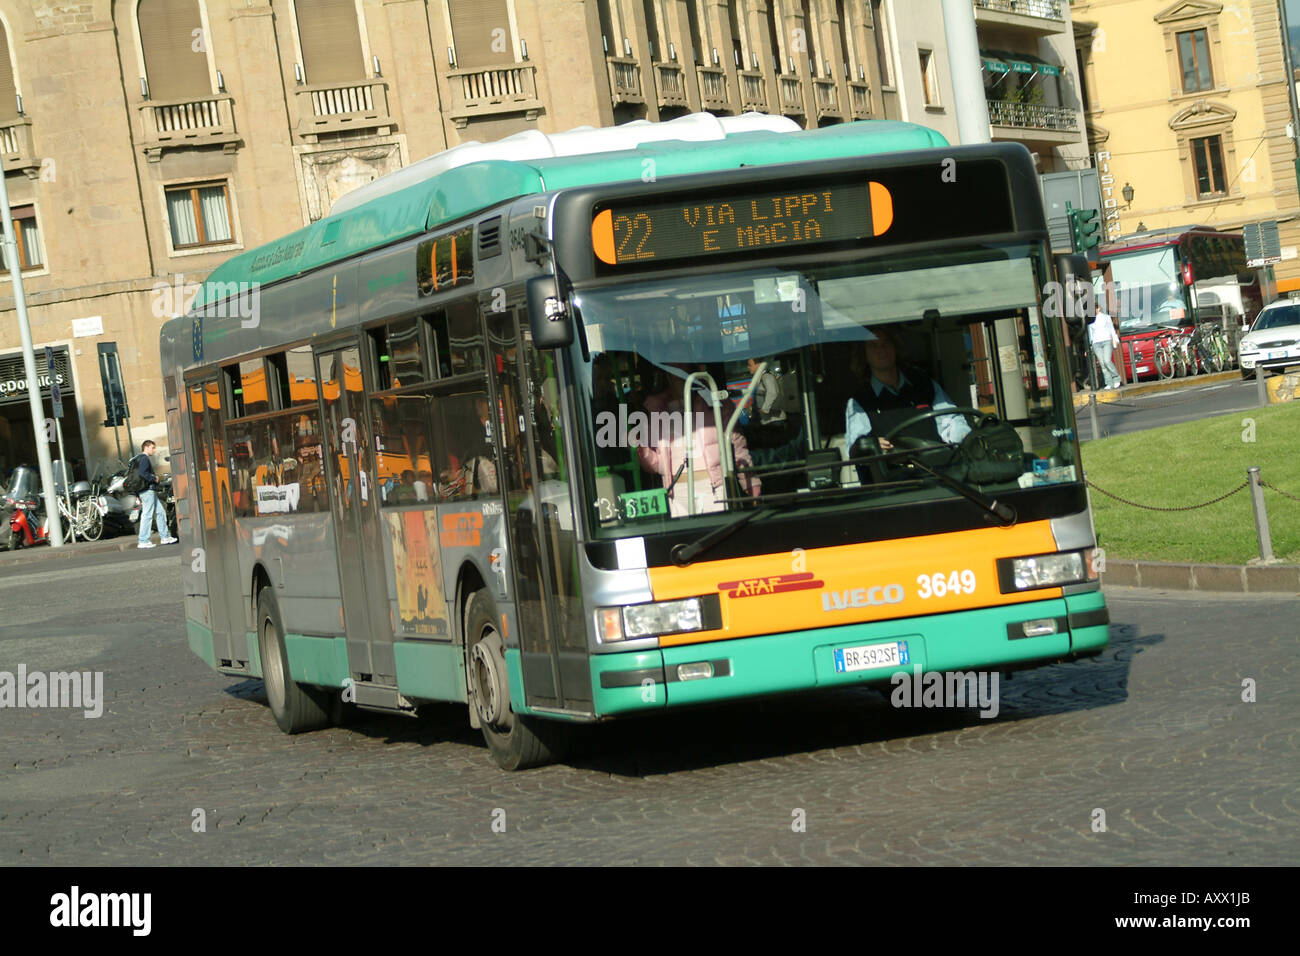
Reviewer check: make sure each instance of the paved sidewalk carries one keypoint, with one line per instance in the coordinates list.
(43, 552)
(1107, 395)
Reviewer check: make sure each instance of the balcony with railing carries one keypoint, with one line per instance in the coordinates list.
(713, 88)
(670, 84)
(1033, 122)
(489, 92)
(362, 105)
(1039, 17)
(791, 93)
(16, 150)
(753, 91)
(826, 97)
(860, 100)
(624, 80)
(206, 121)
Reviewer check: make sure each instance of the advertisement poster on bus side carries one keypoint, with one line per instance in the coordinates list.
(417, 570)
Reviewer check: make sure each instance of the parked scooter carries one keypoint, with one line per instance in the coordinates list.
(29, 524)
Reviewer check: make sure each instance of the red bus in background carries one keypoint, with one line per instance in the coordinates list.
(1170, 280)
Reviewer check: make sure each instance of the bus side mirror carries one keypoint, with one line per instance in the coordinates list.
(548, 316)
(1075, 297)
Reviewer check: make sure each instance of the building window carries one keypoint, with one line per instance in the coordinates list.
(1207, 155)
(199, 215)
(330, 36)
(28, 238)
(480, 32)
(8, 88)
(929, 79)
(882, 42)
(175, 63)
(1194, 60)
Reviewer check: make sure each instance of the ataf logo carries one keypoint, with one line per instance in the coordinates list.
(460, 529)
(862, 597)
(758, 587)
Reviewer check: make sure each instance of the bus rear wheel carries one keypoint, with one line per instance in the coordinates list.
(296, 707)
(516, 742)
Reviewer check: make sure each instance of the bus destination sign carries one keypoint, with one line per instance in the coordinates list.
(650, 232)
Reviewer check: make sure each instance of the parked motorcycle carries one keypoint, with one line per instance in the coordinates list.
(29, 524)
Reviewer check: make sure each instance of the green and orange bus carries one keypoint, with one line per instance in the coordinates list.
(469, 437)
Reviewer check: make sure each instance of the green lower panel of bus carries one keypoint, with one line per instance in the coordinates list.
(200, 638)
(429, 671)
(317, 660)
(988, 639)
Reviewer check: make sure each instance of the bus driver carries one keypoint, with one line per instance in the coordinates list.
(890, 397)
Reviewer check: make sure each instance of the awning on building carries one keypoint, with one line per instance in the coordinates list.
(1001, 61)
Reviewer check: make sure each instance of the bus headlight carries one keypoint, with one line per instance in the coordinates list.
(665, 617)
(661, 617)
(1044, 571)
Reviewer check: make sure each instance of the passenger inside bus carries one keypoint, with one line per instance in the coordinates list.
(665, 454)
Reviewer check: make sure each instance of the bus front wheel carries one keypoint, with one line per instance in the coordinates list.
(515, 741)
(296, 707)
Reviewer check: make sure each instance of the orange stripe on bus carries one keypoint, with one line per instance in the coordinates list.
(882, 209)
(765, 607)
(433, 264)
(602, 237)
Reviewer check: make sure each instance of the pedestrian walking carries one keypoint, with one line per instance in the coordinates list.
(1104, 341)
(151, 511)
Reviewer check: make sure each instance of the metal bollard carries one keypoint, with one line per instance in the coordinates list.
(1092, 415)
(1261, 515)
(1261, 385)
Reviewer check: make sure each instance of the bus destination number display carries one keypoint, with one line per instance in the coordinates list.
(623, 235)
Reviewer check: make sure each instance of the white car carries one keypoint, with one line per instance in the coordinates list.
(1273, 341)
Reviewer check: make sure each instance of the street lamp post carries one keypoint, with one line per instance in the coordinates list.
(39, 430)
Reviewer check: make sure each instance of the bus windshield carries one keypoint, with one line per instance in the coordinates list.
(1148, 293)
(788, 368)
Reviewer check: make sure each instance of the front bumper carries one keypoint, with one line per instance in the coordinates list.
(643, 681)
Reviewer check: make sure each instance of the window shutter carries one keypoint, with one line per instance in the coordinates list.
(174, 68)
(472, 26)
(8, 93)
(331, 42)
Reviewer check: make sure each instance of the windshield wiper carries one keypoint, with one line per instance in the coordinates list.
(1005, 514)
(684, 554)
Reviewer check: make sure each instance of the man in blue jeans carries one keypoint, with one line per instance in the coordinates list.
(150, 510)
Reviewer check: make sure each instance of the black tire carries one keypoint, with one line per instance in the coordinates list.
(296, 707)
(516, 742)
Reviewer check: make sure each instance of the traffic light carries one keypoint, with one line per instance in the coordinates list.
(1085, 227)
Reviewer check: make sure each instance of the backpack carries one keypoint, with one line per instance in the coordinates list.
(133, 483)
(991, 453)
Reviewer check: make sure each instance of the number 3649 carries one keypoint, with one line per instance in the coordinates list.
(939, 584)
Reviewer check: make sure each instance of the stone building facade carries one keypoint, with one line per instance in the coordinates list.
(146, 141)
(1187, 103)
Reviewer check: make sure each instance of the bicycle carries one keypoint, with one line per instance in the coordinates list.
(1164, 355)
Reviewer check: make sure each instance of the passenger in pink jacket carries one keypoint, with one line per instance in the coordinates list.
(665, 454)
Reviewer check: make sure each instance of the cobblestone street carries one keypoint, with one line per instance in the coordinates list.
(1154, 733)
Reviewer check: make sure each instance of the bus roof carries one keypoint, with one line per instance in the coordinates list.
(1168, 236)
(451, 192)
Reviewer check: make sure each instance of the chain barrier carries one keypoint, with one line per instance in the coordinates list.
(1204, 504)
(1284, 494)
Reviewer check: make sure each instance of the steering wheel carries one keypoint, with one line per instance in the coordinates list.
(909, 442)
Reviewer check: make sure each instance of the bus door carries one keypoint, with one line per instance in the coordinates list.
(354, 504)
(215, 526)
(543, 539)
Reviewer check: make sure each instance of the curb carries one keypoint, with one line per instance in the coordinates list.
(43, 552)
(1108, 395)
(1232, 578)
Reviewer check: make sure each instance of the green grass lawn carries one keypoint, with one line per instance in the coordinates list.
(1186, 464)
